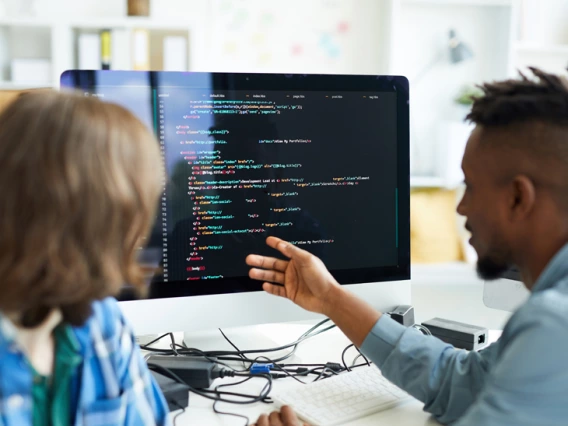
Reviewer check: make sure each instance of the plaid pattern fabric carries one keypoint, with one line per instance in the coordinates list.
(112, 386)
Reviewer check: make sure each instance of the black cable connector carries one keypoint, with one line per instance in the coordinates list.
(334, 366)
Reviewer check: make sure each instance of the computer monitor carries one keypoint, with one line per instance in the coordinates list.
(506, 293)
(319, 160)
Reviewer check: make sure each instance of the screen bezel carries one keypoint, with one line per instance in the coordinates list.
(88, 80)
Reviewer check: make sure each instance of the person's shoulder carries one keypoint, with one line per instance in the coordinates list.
(106, 319)
(551, 303)
(544, 310)
(106, 312)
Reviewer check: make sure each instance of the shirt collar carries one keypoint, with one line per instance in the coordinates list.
(80, 336)
(7, 330)
(555, 270)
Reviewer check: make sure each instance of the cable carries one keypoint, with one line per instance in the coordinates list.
(173, 344)
(227, 413)
(287, 373)
(216, 410)
(343, 356)
(367, 362)
(222, 353)
(233, 345)
(238, 355)
(303, 337)
(204, 392)
(423, 329)
(364, 357)
(178, 414)
(322, 375)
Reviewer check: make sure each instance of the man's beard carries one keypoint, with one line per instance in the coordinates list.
(492, 267)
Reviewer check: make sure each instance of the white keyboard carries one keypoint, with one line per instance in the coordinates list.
(342, 398)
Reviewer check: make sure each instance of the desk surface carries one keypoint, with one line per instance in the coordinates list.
(326, 347)
(447, 291)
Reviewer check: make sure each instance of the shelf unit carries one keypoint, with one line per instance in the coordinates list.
(43, 35)
(426, 182)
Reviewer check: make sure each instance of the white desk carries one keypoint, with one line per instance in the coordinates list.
(450, 291)
(326, 347)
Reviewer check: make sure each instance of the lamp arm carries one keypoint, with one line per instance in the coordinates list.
(425, 70)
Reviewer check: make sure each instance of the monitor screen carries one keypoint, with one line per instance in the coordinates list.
(321, 161)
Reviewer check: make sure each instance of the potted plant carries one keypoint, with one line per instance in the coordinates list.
(465, 97)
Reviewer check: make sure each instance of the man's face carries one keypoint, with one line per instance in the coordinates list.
(483, 205)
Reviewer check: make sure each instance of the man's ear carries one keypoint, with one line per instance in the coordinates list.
(523, 197)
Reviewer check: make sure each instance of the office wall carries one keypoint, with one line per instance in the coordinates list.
(321, 36)
(422, 54)
(315, 36)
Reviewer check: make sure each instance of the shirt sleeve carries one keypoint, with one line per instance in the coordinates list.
(529, 383)
(446, 379)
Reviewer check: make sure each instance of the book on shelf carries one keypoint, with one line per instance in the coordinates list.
(106, 57)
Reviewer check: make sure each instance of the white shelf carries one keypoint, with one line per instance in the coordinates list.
(131, 23)
(9, 85)
(124, 22)
(426, 182)
(461, 2)
(545, 49)
(26, 22)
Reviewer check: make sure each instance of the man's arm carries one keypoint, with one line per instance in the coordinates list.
(445, 379)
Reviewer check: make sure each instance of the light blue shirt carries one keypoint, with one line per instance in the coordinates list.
(522, 379)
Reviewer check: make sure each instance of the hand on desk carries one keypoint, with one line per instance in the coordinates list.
(284, 417)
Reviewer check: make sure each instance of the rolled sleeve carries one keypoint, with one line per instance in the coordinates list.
(446, 379)
(382, 339)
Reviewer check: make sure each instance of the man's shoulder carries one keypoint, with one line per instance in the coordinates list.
(551, 303)
(544, 310)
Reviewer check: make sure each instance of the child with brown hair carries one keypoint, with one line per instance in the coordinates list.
(79, 182)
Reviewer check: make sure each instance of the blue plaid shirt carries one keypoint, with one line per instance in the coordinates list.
(112, 386)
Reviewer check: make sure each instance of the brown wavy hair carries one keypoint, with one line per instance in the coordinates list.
(79, 184)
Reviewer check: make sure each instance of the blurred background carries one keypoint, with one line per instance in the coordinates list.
(444, 47)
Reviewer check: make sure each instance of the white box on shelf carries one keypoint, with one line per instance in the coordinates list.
(141, 49)
(175, 53)
(121, 49)
(31, 71)
(89, 54)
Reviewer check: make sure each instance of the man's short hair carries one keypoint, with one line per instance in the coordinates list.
(544, 99)
(79, 184)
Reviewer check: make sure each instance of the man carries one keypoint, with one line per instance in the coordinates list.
(516, 204)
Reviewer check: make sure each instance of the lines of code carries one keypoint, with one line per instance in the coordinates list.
(242, 166)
